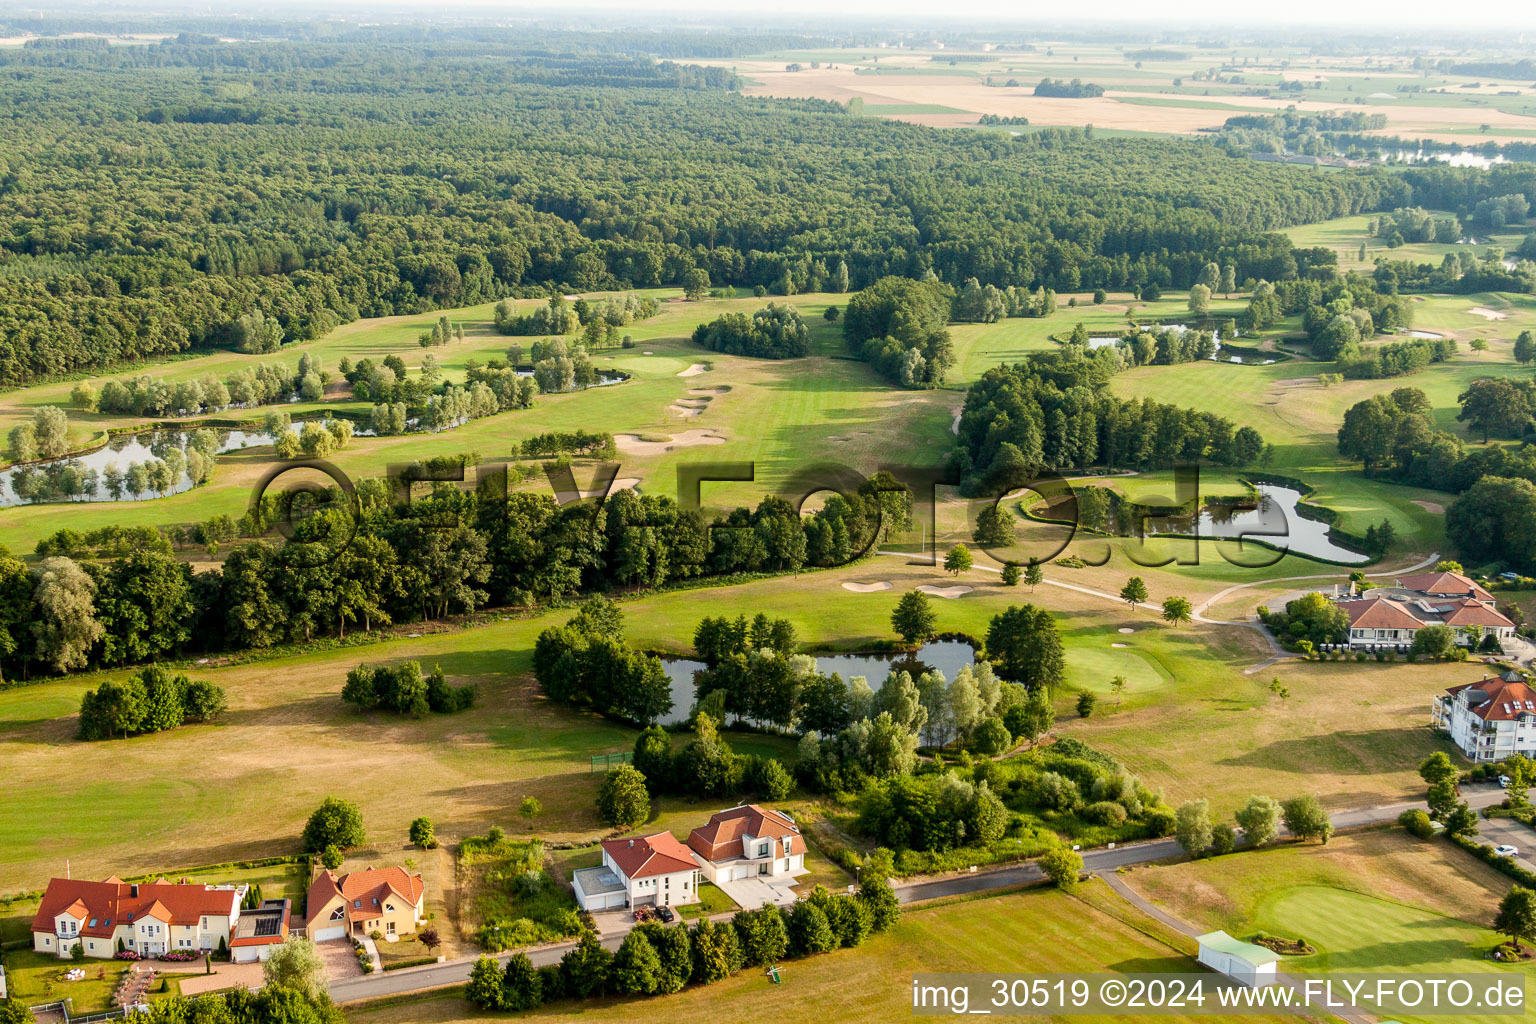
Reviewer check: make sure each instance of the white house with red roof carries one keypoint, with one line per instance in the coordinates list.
(749, 842)
(148, 919)
(1490, 719)
(654, 870)
(1393, 616)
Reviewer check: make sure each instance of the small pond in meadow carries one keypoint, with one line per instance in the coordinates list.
(945, 656)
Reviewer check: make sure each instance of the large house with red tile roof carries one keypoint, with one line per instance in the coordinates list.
(145, 918)
(653, 870)
(1393, 616)
(749, 842)
(390, 901)
(1490, 719)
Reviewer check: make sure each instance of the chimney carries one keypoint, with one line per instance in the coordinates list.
(631, 844)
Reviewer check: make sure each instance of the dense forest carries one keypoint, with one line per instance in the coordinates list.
(155, 197)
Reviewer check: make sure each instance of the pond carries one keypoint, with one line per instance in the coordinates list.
(1243, 357)
(945, 656)
(121, 452)
(1275, 521)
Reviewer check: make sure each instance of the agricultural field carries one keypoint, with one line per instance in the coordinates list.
(1373, 901)
(1180, 90)
(1036, 931)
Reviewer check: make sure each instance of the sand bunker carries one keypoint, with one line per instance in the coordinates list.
(1125, 629)
(692, 371)
(946, 592)
(868, 588)
(1432, 507)
(1119, 645)
(1488, 314)
(709, 392)
(686, 412)
(634, 444)
(647, 352)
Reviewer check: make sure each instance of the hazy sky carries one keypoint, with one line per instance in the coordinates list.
(1380, 15)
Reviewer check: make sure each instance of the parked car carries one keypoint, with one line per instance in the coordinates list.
(665, 913)
(1507, 851)
(1503, 781)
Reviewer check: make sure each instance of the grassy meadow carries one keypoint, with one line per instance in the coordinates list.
(288, 740)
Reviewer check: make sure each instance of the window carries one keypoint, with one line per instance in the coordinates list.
(357, 904)
(338, 913)
(391, 927)
(762, 850)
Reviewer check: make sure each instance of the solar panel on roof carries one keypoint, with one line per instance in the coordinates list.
(267, 925)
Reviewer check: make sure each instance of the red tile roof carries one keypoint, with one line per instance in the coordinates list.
(1443, 583)
(659, 854)
(1501, 701)
(721, 838)
(114, 902)
(1469, 612)
(368, 887)
(1379, 613)
(1386, 613)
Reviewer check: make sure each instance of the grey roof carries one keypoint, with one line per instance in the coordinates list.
(596, 881)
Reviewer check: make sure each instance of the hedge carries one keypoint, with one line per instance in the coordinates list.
(1484, 853)
(418, 962)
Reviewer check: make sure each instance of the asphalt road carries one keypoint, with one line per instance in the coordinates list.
(456, 972)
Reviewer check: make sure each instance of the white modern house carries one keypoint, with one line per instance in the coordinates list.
(1243, 962)
(654, 870)
(1490, 719)
(1393, 616)
(148, 919)
(749, 842)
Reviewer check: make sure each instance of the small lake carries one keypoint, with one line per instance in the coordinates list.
(1242, 357)
(1275, 521)
(945, 656)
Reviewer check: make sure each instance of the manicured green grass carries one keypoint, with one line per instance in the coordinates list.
(33, 978)
(712, 900)
(1376, 901)
(1037, 931)
(1094, 668)
(1344, 234)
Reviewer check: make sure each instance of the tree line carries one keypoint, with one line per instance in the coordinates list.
(378, 560)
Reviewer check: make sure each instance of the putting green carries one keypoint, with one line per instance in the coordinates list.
(1092, 668)
(1364, 934)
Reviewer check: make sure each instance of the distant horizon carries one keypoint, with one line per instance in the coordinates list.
(1299, 18)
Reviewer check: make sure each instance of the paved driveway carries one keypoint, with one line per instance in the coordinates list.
(224, 976)
(751, 893)
(340, 960)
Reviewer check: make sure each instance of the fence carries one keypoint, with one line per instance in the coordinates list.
(602, 762)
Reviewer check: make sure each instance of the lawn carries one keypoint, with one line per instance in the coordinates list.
(712, 900)
(34, 978)
(1374, 901)
(1036, 931)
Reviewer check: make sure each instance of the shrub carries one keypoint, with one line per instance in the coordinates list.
(1062, 865)
(1417, 822)
(1105, 812)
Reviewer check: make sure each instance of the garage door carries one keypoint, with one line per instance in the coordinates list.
(329, 934)
(741, 872)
